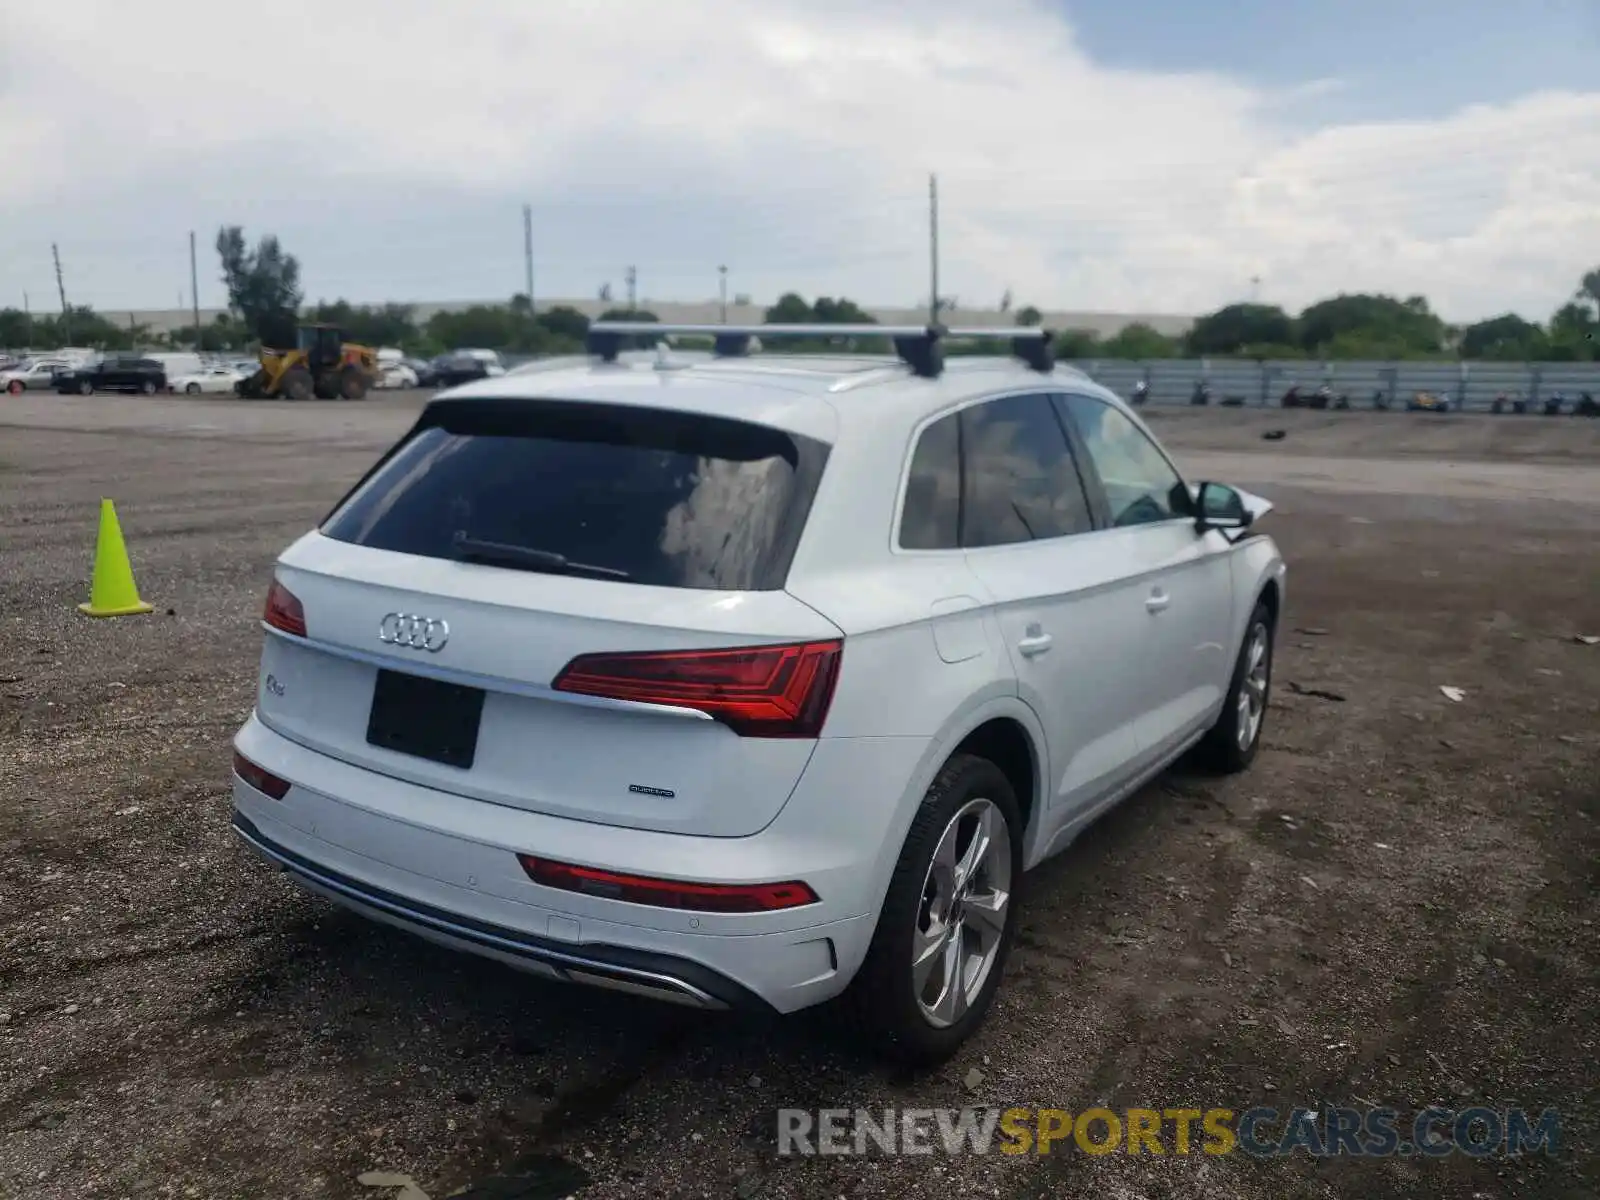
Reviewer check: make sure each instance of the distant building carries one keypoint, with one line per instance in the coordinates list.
(709, 312)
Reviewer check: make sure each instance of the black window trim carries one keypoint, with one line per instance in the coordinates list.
(1092, 476)
(1093, 495)
(811, 459)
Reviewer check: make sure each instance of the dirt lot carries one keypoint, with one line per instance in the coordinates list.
(1396, 906)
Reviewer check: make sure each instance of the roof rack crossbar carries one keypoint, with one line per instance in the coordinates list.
(920, 347)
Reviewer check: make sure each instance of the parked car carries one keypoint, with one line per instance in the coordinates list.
(452, 370)
(114, 373)
(206, 380)
(753, 691)
(397, 375)
(33, 374)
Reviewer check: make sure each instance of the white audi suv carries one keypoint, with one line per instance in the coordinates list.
(750, 681)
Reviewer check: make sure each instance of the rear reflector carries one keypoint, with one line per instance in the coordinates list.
(758, 691)
(284, 610)
(260, 778)
(668, 893)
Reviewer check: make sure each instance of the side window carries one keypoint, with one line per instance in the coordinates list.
(931, 518)
(1020, 481)
(1140, 485)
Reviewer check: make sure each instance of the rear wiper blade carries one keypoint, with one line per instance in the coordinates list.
(528, 558)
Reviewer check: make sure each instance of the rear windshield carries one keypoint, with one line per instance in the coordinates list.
(638, 495)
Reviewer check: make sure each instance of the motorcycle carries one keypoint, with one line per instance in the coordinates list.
(1201, 394)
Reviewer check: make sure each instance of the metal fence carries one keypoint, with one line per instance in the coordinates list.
(1262, 385)
(1473, 385)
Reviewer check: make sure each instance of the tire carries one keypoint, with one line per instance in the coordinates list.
(148, 387)
(193, 389)
(352, 384)
(883, 1003)
(15, 387)
(85, 388)
(1230, 745)
(296, 384)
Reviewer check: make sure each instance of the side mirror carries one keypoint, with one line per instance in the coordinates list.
(1220, 507)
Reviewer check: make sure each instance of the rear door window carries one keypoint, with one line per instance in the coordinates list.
(1020, 482)
(632, 494)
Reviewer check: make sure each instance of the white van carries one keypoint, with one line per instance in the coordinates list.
(489, 358)
(178, 363)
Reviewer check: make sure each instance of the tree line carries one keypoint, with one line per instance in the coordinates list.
(266, 300)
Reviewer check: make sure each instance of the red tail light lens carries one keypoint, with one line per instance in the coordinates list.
(758, 691)
(263, 780)
(668, 893)
(284, 610)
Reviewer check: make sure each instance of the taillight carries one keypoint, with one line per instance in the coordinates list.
(758, 691)
(263, 780)
(284, 610)
(668, 893)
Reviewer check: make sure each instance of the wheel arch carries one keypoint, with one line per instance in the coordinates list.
(996, 723)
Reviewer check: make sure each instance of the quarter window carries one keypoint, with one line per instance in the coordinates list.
(931, 517)
(1140, 485)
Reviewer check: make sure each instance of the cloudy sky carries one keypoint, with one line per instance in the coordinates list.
(1107, 155)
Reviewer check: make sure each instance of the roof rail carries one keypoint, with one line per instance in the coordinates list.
(919, 346)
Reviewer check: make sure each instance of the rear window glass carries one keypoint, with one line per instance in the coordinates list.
(637, 495)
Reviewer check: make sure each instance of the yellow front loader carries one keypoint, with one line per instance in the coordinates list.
(321, 364)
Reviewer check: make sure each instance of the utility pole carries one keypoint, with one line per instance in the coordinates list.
(1255, 289)
(722, 291)
(27, 321)
(527, 252)
(194, 290)
(66, 313)
(933, 248)
(633, 290)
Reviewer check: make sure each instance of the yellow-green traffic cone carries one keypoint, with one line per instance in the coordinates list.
(112, 593)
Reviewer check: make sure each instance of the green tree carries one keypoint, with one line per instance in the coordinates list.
(79, 326)
(17, 329)
(1574, 334)
(1029, 316)
(1077, 344)
(1139, 341)
(565, 322)
(1589, 289)
(1236, 328)
(791, 309)
(1373, 326)
(829, 311)
(371, 325)
(263, 284)
(1506, 338)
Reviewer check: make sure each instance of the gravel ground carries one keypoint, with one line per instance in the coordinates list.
(1397, 905)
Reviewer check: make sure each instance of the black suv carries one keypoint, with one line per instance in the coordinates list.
(115, 373)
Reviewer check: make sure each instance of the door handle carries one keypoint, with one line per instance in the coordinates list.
(1036, 643)
(1157, 602)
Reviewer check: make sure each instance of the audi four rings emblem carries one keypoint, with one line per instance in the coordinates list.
(414, 632)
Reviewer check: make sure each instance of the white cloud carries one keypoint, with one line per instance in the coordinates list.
(790, 139)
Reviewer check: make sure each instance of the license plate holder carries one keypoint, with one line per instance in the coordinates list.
(425, 718)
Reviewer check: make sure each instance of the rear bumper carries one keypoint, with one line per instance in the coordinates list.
(445, 867)
(621, 968)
